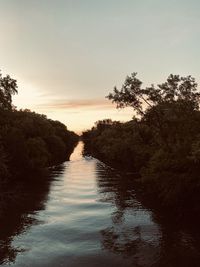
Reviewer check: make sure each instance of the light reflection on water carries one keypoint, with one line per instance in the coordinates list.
(88, 216)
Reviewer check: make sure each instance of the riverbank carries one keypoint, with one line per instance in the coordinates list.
(30, 142)
(167, 175)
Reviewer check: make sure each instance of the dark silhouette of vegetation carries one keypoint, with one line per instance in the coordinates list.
(29, 141)
(162, 143)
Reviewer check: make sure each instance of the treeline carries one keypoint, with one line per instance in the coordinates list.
(29, 141)
(162, 144)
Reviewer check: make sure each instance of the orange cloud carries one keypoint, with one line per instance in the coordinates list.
(77, 104)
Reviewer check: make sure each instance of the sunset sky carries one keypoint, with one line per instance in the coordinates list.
(67, 55)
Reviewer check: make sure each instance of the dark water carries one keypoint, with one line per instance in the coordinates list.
(86, 215)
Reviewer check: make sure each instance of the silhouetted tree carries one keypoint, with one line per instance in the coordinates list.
(29, 141)
(8, 87)
(162, 144)
(175, 89)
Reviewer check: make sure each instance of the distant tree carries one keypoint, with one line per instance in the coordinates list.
(103, 124)
(8, 87)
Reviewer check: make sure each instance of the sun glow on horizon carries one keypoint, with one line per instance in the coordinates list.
(68, 55)
(77, 115)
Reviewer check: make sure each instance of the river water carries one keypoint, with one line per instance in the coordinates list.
(88, 215)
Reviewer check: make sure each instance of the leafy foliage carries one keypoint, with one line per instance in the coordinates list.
(29, 141)
(162, 144)
(8, 87)
(175, 89)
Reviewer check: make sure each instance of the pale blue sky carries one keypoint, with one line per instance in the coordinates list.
(67, 55)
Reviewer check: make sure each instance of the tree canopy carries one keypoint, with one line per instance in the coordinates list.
(8, 87)
(175, 89)
(162, 144)
(28, 140)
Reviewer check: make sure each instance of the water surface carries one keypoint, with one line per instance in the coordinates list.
(87, 215)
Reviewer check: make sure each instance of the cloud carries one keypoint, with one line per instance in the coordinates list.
(86, 104)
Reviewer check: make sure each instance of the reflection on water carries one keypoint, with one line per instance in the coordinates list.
(85, 214)
(19, 205)
(133, 235)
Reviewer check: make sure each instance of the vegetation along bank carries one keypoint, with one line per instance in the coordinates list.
(29, 141)
(161, 143)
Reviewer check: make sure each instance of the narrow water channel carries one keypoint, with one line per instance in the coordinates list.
(88, 216)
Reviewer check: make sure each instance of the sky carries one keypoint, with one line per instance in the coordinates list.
(67, 55)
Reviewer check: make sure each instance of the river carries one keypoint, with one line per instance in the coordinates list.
(87, 215)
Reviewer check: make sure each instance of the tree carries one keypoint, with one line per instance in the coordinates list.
(160, 106)
(175, 89)
(8, 87)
